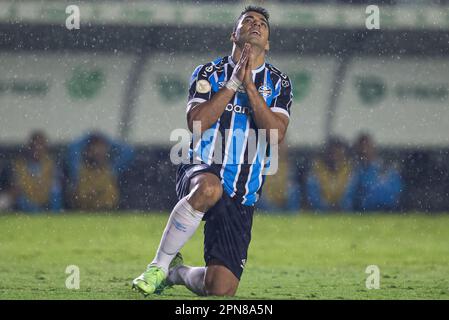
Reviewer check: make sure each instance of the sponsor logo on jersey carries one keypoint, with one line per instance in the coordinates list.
(237, 108)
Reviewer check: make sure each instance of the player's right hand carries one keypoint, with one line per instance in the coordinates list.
(240, 68)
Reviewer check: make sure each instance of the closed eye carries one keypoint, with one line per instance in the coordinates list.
(248, 20)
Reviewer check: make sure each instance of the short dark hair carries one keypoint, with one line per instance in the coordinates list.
(38, 134)
(363, 137)
(336, 142)
(257, 9)
(96, 138)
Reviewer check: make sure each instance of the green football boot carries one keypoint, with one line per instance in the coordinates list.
(177, 261)
(148, 281)
(154, 279)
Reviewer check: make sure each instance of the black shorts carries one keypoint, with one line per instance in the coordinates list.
(227, 232)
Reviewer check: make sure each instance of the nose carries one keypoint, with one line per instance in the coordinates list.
(257, 23)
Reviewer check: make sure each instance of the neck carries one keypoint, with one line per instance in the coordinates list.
(258, 55)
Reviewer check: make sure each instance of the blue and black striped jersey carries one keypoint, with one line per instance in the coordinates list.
(241, 177)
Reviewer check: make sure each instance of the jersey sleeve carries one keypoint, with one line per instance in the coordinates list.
(200, 87)
(284, 96)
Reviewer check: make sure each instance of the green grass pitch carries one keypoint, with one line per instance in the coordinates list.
(303, 256)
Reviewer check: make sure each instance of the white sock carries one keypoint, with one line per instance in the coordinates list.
(191, 277)
(181, 225)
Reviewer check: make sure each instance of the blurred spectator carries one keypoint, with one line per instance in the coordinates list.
(94, 164)
(378, 187)
(281, 191)
(330, 183)
(6, 197)
(35, 177)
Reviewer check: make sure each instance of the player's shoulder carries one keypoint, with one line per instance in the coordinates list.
(282, 77)
(276, 71)
(210, 67)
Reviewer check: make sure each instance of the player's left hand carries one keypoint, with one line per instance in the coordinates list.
(248, 78)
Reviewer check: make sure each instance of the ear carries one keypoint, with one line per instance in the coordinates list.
(233, 37)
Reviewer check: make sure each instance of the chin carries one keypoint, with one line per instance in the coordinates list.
(256, 42)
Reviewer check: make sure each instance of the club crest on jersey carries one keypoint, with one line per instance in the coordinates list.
(265, 91)
(203, 86)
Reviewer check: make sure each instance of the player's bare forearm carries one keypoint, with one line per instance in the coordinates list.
(209, 112)
(264, 117)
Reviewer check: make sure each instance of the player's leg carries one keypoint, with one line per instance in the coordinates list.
(204, 190)
(219, 280)
(227, 236)
(190, 277)
(215, 279)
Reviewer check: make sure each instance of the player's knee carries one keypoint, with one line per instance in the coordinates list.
(222, 290)
(210, 189)
(220, 293)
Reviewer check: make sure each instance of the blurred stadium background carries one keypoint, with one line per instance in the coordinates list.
(125, 74)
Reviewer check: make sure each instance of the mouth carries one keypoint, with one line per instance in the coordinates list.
(255, 32)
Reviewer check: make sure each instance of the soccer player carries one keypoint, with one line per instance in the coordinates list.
(227, 97)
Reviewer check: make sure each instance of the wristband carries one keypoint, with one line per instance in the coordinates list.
(233, 83)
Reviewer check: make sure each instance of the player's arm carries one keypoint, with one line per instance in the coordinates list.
(263, 116)
(208, 112)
